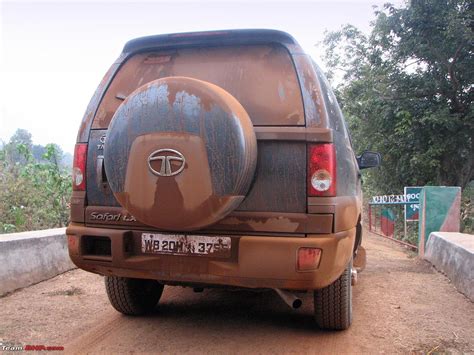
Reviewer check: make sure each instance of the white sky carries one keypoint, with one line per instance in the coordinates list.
(54, 54)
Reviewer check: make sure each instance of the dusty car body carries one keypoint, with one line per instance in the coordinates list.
(217, 159)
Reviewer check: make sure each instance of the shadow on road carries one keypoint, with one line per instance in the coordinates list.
(240, 308)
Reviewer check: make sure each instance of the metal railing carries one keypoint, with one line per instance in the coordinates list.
(388, 220)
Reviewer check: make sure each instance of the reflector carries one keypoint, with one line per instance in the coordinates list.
(308, 259)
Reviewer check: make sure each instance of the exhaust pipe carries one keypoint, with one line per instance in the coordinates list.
(289, 298)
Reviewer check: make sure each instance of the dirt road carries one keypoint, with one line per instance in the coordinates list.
(401, 304)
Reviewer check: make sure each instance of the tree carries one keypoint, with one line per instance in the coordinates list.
(38, 151)
(20, 137)
(407, 90)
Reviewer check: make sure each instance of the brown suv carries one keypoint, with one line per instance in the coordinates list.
(217, 159)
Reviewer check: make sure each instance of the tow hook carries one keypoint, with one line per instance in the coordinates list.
(353, 276)
(289, 298)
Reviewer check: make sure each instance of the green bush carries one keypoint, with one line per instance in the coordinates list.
(33, 194)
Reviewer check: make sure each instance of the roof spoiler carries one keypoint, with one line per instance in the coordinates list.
(210, 38)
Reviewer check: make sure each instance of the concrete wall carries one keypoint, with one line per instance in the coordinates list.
(453, 254)
(30, 257)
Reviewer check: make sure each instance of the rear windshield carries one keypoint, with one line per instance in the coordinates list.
(261, 77)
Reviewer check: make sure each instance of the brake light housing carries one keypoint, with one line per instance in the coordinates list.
(322, 168)
(79, 167)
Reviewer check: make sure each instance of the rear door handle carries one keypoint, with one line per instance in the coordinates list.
(100, 176)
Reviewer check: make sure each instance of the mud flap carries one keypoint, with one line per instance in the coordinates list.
(360, 259)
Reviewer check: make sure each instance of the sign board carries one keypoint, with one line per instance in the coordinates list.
(388, 199)
(412, 210)
(394, 199)
(440, 210)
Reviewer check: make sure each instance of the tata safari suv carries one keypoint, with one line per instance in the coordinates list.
(217, 159)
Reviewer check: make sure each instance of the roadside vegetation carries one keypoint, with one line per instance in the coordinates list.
(35, 185)
(406, 91)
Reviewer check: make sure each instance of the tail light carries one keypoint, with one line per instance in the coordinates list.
(79, 167)
(321, 170)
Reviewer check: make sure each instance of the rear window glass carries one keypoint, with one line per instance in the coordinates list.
(335, 116)
(261, 77)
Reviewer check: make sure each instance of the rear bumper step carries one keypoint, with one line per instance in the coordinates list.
(254, 262)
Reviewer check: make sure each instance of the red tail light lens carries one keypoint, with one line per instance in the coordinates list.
(79, 167)
(321, 170)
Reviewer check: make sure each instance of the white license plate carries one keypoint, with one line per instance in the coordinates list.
(180, 244)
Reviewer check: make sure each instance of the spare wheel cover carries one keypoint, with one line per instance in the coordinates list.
(180, 153)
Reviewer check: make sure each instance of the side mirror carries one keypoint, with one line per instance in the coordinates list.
(369, 160)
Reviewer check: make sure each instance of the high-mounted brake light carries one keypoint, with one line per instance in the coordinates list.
(321, 170)
(199, 34)
(79, 167)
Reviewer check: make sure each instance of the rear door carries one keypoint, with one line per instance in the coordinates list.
(261, 77)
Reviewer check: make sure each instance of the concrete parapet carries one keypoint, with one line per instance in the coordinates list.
(453, 254)
(30, 257)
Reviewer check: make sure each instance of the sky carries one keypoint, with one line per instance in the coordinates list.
(54, 54)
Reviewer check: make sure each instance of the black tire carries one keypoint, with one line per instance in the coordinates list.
(133, 297)
(333, 304)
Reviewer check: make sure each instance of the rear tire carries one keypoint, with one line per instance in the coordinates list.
(333, 304)
(133, 297)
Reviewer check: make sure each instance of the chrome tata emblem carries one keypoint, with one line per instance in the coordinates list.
(166, 156)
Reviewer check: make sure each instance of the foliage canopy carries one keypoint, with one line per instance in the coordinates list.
(406, 91)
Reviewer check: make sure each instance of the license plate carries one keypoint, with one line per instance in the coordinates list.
(180, 244)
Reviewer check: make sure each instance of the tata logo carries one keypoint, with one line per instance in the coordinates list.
(166, 162)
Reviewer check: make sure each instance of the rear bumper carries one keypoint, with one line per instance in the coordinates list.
(256, 261)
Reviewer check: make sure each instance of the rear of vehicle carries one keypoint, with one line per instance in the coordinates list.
(216, 158)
